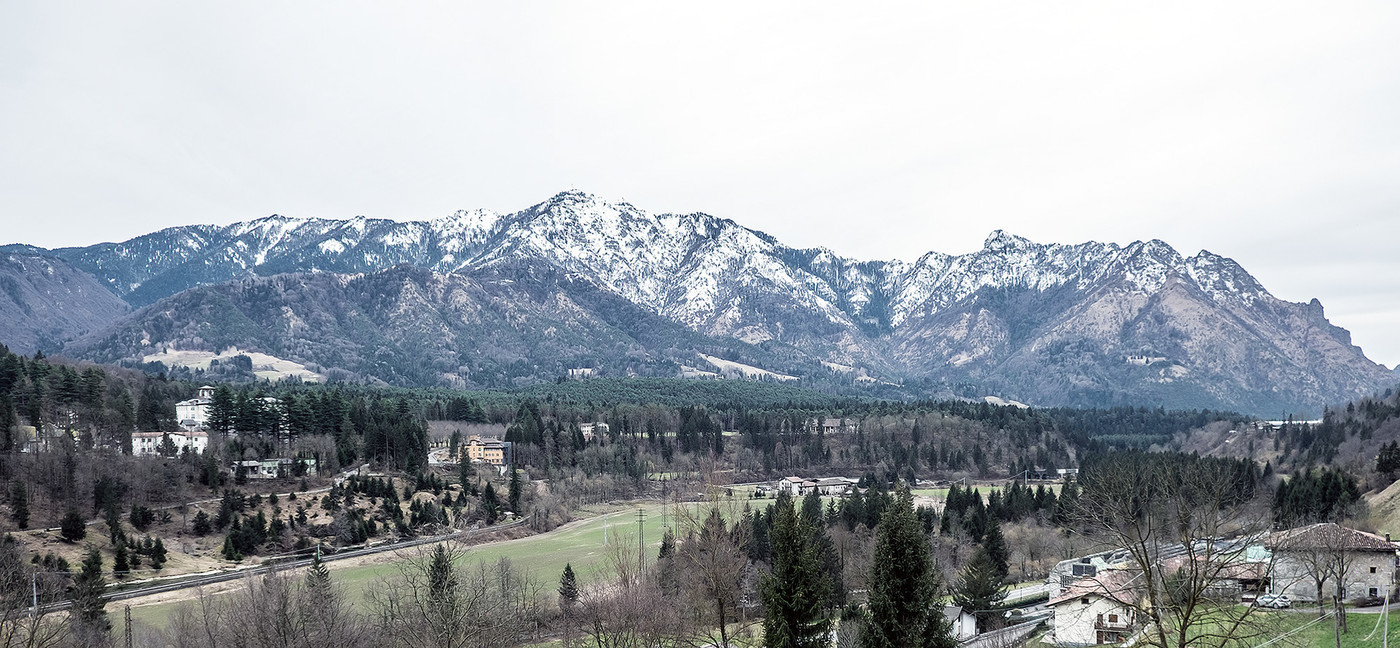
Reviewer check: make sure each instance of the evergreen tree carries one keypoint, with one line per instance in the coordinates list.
(19, 504)
(121, 564)
(904, 609)
(89, 604)
(464, 470)
(826, 548)
(666, 575)
(979, 588)
(222, 410)
(202, 524)
(158, 554)
(995, 545)
(318, 578)
(490, 504)
(795, 592)
(442, 578)
(514, 492)
(73, 528)
(568, 588)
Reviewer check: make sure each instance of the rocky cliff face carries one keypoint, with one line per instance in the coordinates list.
(1087, 324)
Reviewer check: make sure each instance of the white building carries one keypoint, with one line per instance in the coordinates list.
(1096, 610)
(591, 431)
(194, 413)
(274, 468)
(835, 485)
(795, 486)
(964, 623)
(147, 444)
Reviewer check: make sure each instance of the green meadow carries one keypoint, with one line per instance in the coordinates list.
(586, 544)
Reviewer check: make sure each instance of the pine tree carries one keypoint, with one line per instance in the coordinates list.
(73, 528)
(795, 592)
(904, 610)
(995, 543)
(318, 578)
(89, 604)
(490, 504)
(121, 564)
(19, 505)
(514, 492)
(464, 470)
(568, 588)
(158, 554)
(826, 548)
(202, 525)
(979, 588)
(442, 578)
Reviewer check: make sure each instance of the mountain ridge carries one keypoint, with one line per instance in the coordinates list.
(989, 317)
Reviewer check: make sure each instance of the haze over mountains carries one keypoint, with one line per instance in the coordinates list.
(486, 299)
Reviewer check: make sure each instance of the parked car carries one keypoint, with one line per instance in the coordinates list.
(1276, 601)
(1367, 601)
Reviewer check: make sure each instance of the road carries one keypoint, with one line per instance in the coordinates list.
(1030, 591)
(293, 564)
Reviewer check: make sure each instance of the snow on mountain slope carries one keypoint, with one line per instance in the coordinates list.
(991, 315)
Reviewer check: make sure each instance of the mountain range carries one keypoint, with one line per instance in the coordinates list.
(576, 282)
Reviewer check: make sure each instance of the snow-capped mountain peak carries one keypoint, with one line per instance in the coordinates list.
(1002, 308)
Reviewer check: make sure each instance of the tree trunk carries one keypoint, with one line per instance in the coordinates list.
(1337, 622)
(723, 621)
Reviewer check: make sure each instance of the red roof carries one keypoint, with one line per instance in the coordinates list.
(1112, 584)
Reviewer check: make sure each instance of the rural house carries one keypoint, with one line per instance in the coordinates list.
(1366, 562)
(1096, 610)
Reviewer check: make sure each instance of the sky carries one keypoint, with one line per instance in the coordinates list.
(1267, 132)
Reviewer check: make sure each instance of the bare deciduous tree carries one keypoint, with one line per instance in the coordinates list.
(432, 600)
(1185, 527)
(20, 623)
(713, 557)
(271, 609)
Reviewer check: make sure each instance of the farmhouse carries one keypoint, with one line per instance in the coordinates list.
(835, 485)
(796, 486)
(1096, 610)
(1366, 562)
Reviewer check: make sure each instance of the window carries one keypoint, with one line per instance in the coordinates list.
(1373, 592)
(1113, 618)
(1084, 600)
(1373, 570)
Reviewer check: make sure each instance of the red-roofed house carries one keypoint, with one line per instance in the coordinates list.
(1096, 610)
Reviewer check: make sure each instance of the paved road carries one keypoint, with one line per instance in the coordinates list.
(236, 573)
(303, 562)
(1030, 591)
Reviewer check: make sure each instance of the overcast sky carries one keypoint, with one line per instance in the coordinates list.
(1264, 131)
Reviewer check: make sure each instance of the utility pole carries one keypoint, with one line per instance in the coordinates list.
(128, 625)
(34, 591)
(641, 545)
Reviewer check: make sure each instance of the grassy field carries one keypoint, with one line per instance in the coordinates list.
(543, 556)
(1363, 631)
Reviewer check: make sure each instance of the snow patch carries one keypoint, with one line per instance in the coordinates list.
(747, 371)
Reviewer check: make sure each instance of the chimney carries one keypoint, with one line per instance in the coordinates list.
(1387, 537)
